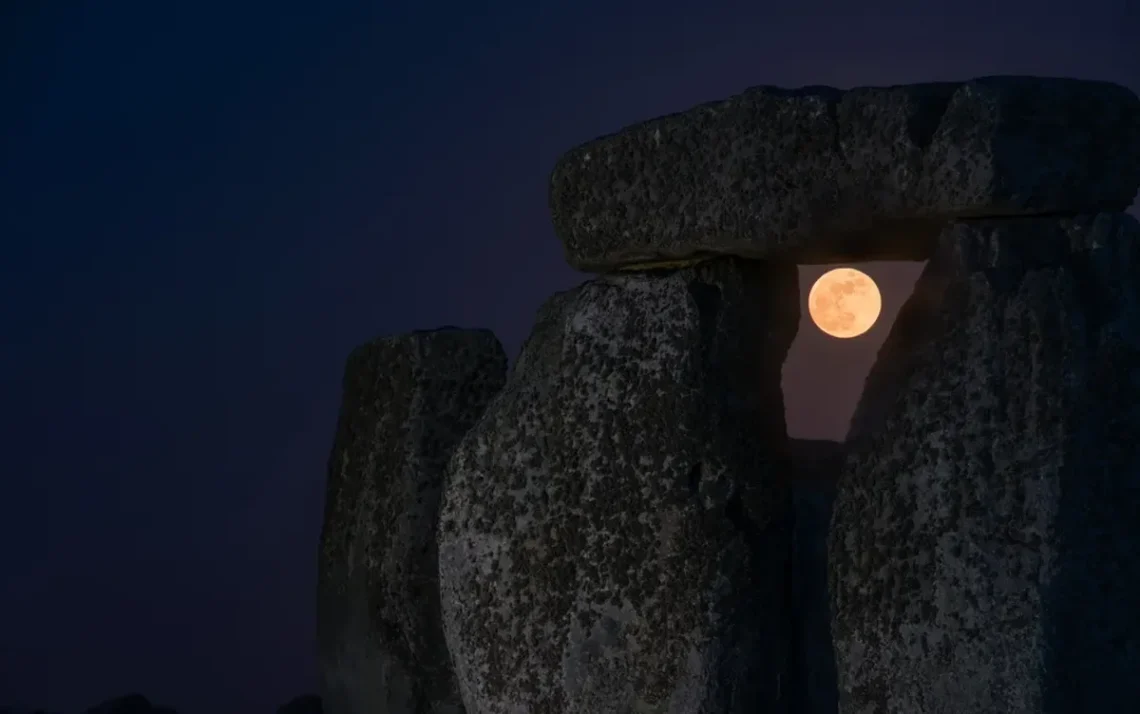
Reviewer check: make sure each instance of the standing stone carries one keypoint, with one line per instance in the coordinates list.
(827, 175)
(407, 401)
(614, 533)
(985, 545)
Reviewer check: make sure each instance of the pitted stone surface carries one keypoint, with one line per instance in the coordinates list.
(614, 532)
(824, 175)
(407, 401)
(985, 547)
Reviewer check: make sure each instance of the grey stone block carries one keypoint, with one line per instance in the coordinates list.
(408, 399)
(615, 531)
(984, 551)
(824, 175)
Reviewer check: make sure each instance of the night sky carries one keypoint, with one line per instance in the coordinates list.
(204, 206)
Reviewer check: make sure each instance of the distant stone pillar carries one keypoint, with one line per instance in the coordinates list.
(407, 401)
(614, 533)
(985, 544)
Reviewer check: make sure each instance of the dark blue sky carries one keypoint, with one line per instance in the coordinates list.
(205, 205)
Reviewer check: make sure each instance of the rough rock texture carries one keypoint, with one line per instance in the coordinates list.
(407, 401)
(614, 533)
(984, 551)
(825, 175)
(812, 687)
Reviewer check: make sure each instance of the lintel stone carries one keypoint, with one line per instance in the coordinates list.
(822, 175)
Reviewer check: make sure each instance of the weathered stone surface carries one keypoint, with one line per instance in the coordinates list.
(812, 686)
(407, 401)
(824, 175)
(985, 544)
(614, 533)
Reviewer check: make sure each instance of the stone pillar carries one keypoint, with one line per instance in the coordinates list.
(614, 532)
(407, 401)
(984, 552)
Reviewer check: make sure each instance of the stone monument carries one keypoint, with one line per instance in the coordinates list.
(620, 525)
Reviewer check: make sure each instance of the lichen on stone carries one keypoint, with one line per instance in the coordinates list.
(614, 529)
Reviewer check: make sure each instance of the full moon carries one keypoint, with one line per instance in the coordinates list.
(844, 302)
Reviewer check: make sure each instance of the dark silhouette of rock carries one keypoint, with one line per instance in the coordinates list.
(824, 175)
(129, 704)
(407, 401)
(985, 549)
(614, 532)
(625, 527)
(304, 704)
(816, 465)
(138, 704)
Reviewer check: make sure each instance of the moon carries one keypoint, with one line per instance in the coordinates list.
(844, 303)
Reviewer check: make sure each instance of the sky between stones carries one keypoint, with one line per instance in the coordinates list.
(823, 376)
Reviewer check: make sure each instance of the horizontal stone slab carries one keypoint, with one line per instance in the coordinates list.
(825, 175)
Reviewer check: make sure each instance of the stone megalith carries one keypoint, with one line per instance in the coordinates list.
(825, 175)
(408, 400)
(614, 532)
(984, 549)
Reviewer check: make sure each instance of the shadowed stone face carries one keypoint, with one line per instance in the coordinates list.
(407, 401)
(614, 532)
(824, 175)
(817, 466)
(984, 554)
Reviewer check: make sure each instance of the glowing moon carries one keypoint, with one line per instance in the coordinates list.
(844, 302)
